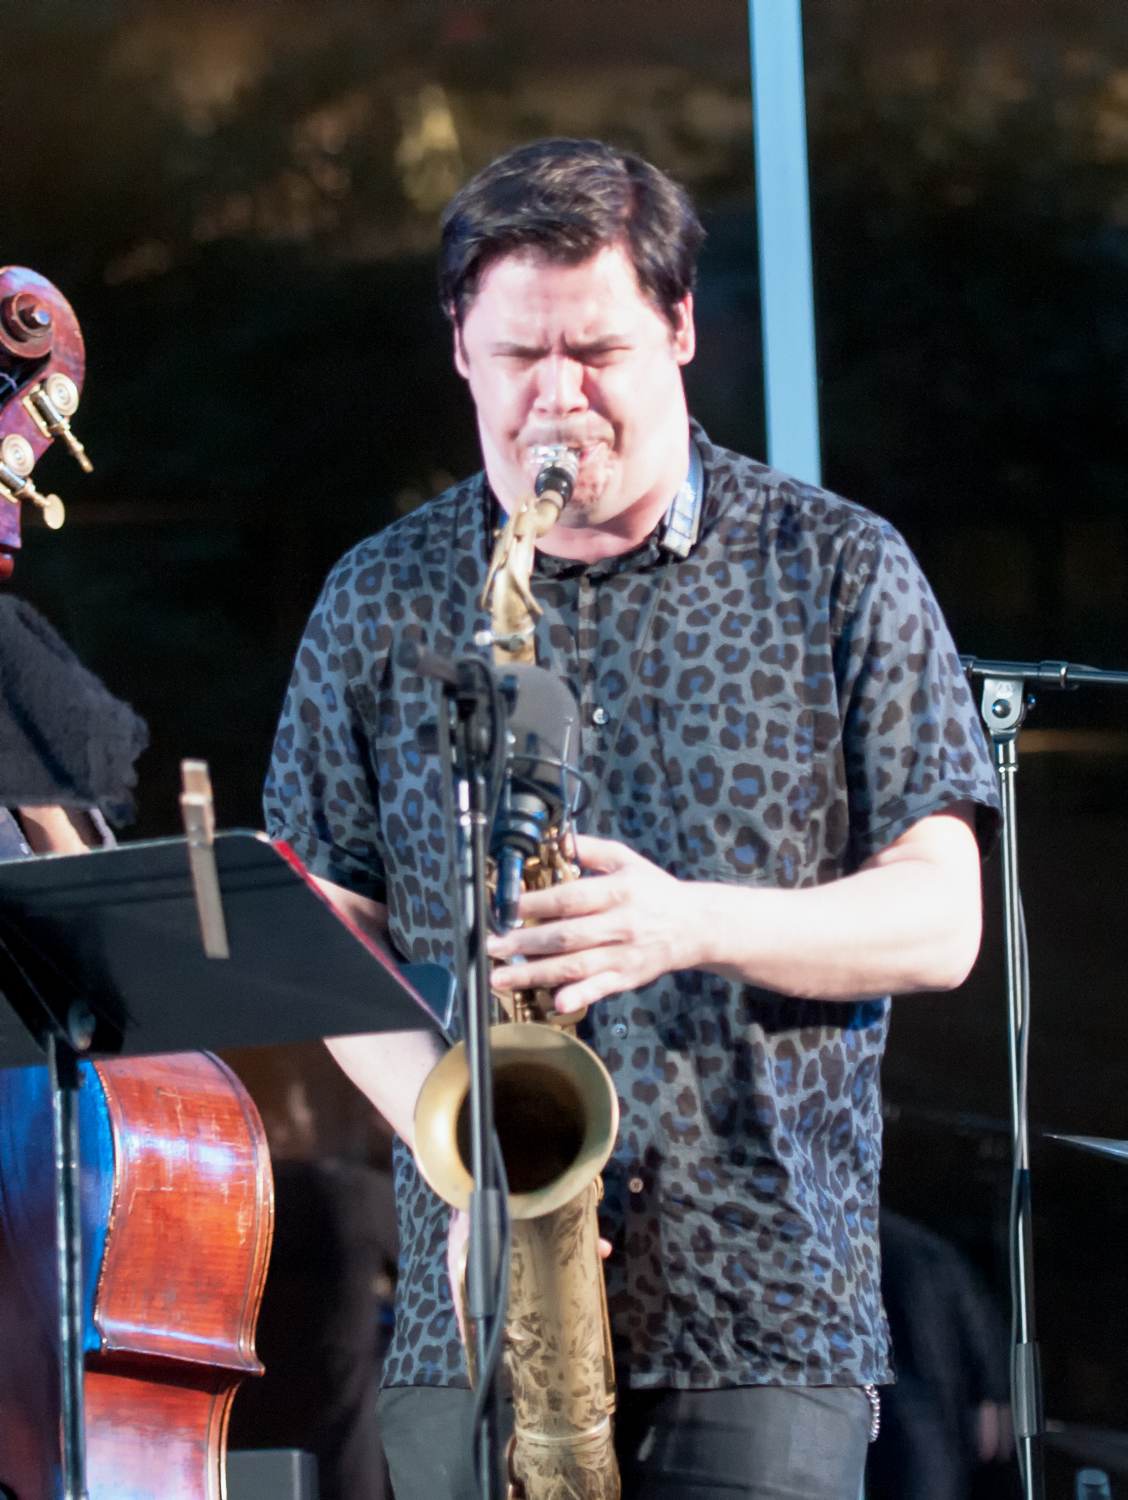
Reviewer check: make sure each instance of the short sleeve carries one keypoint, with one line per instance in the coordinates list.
(321, 794)
(912, 740)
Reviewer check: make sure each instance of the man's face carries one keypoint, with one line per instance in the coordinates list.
(578, 355)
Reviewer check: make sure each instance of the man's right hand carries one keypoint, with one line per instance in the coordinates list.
(458, 1240)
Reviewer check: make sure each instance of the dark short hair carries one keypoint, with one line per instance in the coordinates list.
(567, 200)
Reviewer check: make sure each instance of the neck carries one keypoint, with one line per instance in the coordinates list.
(613, 537)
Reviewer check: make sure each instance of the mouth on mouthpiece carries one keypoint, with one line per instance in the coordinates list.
(557, 467)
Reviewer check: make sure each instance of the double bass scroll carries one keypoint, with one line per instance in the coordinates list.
(42, 366)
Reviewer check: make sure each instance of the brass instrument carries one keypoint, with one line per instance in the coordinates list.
(557, 1116)
(507, 594)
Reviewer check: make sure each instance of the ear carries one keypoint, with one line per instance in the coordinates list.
(461, 364)
(685, 334)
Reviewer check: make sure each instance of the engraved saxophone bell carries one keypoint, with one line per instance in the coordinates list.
(557, 1115)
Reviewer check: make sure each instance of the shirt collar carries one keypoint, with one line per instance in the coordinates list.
(677, 531)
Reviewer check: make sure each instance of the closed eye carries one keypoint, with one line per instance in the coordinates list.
(595, 354)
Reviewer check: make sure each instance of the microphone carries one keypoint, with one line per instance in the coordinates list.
(534, 795)
(540, 722)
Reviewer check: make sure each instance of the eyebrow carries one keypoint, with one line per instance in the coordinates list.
(575, 351)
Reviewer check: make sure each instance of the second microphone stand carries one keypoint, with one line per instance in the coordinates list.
(1003, 707)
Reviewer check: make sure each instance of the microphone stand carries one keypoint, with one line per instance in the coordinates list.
(1003, 706)
(471, 724)
(64, 1041)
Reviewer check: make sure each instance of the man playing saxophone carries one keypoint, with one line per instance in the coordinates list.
(788, 796)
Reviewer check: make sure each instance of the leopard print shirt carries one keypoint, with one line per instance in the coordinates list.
(798, 706)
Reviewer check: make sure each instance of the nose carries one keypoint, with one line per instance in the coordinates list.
(560, 386)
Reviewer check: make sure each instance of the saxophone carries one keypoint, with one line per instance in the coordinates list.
(557, 1117)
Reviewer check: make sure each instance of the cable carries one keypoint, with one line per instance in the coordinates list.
(500, 746)
(1021, 1134)
(499, 751)
(450, 818)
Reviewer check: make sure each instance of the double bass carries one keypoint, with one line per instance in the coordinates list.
(177, 1195)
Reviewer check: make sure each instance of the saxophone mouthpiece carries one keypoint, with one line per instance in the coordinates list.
(557, 467)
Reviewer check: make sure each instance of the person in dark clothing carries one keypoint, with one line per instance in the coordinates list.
(326, 1317)
(948, 1411)
(322, 1331)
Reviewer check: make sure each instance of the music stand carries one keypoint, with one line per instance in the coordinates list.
(101, 956)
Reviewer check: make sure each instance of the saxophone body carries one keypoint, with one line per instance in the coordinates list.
(557, 1118)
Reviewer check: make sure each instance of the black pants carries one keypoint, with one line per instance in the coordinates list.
(748, 1443)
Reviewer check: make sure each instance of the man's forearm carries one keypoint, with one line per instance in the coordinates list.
(388, 1067)
(894, 929)
(908, 920)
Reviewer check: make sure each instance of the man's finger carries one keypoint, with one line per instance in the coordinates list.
(605, 855)
(561, 969)
(572, 936)
(571, 997)
(572, 898)
(458, 1235)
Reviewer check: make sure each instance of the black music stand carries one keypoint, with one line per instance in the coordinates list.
(101, 956)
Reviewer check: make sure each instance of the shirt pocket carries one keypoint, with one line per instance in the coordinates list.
(758, 794)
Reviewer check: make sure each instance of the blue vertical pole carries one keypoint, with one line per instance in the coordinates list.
(783, 205)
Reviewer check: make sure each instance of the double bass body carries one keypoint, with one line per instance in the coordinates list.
(177, 1225)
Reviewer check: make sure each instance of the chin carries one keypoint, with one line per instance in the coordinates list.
(588, 507)
(574, 517)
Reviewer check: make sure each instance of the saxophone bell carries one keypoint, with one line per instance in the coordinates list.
(557, 1115)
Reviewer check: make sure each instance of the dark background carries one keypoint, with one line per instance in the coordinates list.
(241, 201)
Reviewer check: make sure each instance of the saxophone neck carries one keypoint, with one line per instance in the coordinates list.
(507, 594)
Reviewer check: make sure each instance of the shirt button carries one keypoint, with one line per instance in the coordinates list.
(599, 716)
(619, 1029)
(635, 1184)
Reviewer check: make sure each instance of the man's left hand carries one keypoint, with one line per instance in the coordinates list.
(618, 929)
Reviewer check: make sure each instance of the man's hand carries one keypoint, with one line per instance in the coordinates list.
(994, 1432)
(458, 1240)
(617, 930)
(908, 920)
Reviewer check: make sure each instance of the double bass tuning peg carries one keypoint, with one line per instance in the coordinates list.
(51, 404)
(16, 461)
(26, 325)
